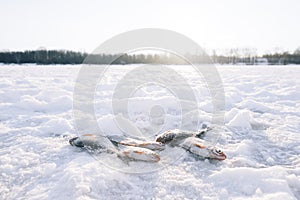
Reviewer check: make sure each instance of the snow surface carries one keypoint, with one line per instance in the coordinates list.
(260, 137)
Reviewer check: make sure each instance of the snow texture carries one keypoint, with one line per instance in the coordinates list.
(260, 137)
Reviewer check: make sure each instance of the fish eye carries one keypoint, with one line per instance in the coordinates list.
(218, 151)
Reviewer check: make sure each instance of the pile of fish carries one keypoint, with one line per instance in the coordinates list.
(133, 149)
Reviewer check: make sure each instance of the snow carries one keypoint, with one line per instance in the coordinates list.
(260, 137)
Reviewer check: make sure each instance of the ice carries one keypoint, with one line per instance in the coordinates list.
(260, 137)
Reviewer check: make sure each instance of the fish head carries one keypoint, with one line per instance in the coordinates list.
(217, 154)
(166, 137)
(76, 141)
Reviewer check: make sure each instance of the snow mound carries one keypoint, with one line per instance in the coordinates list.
(257, 183)
(240, 120)
(253, 106)
(57, 126)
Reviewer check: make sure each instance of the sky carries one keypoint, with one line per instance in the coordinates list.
(82, 25)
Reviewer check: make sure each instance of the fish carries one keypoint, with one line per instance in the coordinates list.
(100, 144)
(200, 148)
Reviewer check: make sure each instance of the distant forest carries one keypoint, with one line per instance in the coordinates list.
(71, 57)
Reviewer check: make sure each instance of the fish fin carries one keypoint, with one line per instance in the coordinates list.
(203, 131)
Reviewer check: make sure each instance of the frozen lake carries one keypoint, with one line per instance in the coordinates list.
(260, 136)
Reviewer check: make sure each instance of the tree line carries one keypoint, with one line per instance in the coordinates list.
(42, 57)
(72, 57)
